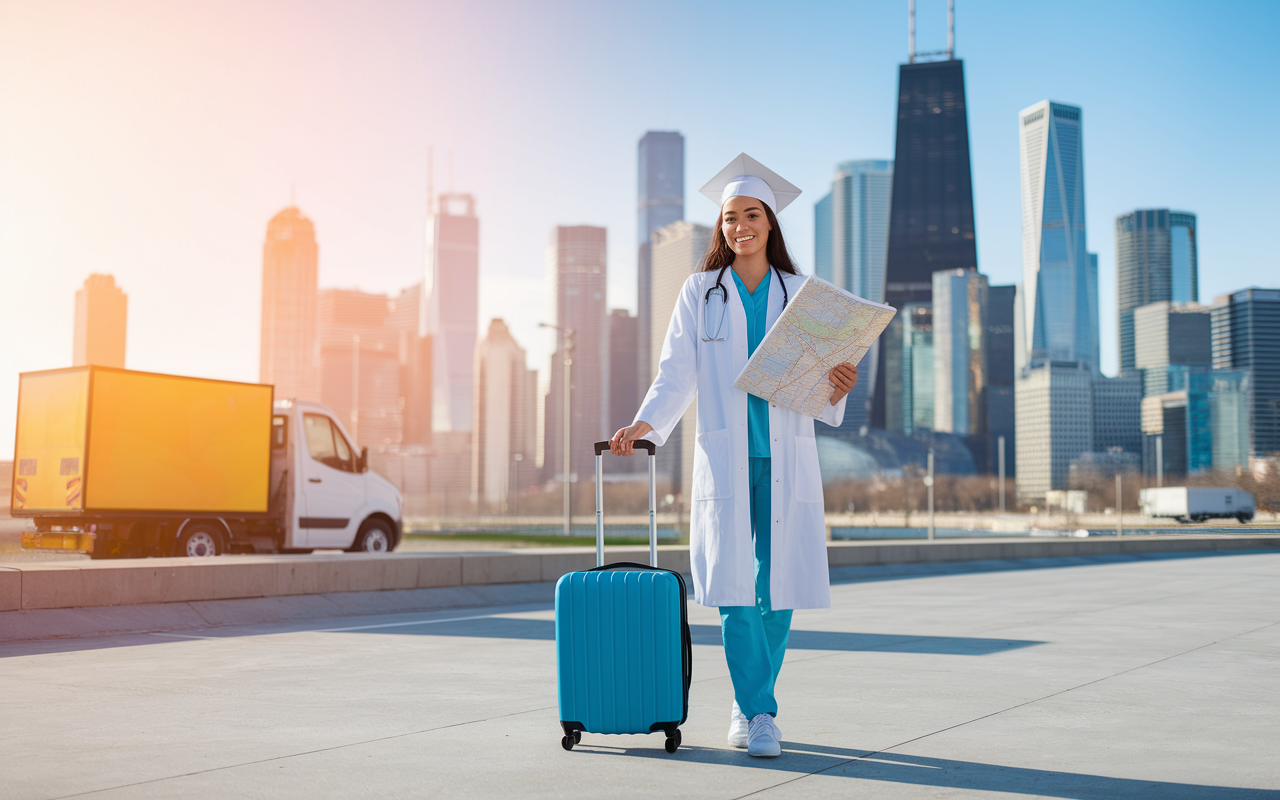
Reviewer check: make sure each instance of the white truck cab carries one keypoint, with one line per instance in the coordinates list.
(332, 499)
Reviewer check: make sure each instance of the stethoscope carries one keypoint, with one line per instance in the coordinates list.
(723, 294)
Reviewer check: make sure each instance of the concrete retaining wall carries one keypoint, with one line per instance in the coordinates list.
(81, 584)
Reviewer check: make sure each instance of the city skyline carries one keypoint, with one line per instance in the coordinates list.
(212, 185)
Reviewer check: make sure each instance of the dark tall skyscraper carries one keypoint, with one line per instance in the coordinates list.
(659, 202)
(931, 212)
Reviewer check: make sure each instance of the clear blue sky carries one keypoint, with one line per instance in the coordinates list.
(154, 140)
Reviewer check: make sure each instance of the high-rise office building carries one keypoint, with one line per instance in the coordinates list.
(576, 279)
(1230, 400)
(1246, 335)
(659, 202)
(360, 364)
(823, 265)
(1201, 423)
(1054, 425)
(1001, 370)
(623, 329)
(959, 353)
(503, 417)
(931, 208)
(102, 312)
(851, 238)
(908, 351)
(452, 289)
(1063, 410)
(408, 320)
(1060, 275)
(677, 252)
(1117, 404)
(851, 228)
(290, 351)
(1168, 334)
(1155, 261)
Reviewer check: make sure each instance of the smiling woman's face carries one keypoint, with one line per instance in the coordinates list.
(744, 225)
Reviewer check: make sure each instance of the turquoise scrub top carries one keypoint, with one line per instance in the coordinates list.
(757, 307)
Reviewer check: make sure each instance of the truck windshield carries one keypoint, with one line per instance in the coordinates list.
(326, 443)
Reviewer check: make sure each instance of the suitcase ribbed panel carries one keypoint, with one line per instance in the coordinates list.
(618, 651)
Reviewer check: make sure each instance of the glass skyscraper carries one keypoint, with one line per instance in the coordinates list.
(659, 202)
(931, 209)
(1155, 262)
(851, 233)
(1246, 335)
(1060, 275)
(453, 319)
(851, 228)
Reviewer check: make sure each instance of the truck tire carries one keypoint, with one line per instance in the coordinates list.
(199, 540)
(374, 537)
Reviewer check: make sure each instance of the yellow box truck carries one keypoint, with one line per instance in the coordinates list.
(119, 463)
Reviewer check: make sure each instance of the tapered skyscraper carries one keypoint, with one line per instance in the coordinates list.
(660, 202)
(1060, 317)
(290, 354)
(453, 287)
(931, 212)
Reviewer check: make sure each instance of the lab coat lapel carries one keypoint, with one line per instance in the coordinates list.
(738, 320)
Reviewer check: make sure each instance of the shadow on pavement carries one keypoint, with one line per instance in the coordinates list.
(890, 767)
(545, 630)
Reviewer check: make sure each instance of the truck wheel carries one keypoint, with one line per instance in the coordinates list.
(374, 537)
(198, 541)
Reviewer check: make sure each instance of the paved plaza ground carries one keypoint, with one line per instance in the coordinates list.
(1070, 678)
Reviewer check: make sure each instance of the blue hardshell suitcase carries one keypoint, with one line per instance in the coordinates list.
(623, 652)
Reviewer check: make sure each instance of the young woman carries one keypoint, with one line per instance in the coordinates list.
(757, 532)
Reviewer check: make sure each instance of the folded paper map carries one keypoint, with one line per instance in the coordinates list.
(821, 327)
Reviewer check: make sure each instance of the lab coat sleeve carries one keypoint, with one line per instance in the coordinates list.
(834, 415)
(676, 383)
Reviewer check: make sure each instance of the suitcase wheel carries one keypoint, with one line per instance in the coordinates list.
(673, 741)
(567, 742)
(577, 736)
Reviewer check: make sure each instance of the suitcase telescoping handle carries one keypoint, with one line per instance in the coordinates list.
(652, 449)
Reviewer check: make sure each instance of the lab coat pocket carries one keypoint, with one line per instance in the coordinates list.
(808, 476)
(713, 466)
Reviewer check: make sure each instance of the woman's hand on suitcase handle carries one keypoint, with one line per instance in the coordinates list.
(621, 443)
(843, 377)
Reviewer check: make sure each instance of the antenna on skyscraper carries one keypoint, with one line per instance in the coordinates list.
(951, 29)
(911, 31)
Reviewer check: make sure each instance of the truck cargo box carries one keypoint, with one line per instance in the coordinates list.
(1196, 503)
(104, 440)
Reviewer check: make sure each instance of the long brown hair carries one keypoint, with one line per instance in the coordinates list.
(720, 254)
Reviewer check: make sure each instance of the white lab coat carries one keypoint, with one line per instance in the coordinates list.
(721, 550)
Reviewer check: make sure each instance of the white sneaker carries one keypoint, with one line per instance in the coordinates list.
(763, 737)
(737, 727)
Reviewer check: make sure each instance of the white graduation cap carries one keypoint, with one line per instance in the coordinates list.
(746, 177)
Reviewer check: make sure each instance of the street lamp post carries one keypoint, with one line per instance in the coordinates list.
(568, 334)
(928, 481)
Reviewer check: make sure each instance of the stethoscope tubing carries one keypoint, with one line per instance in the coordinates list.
(724, 299)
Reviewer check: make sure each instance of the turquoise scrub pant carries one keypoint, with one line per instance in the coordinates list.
(755, 637)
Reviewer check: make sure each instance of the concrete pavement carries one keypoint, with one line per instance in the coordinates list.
(1090, 677)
